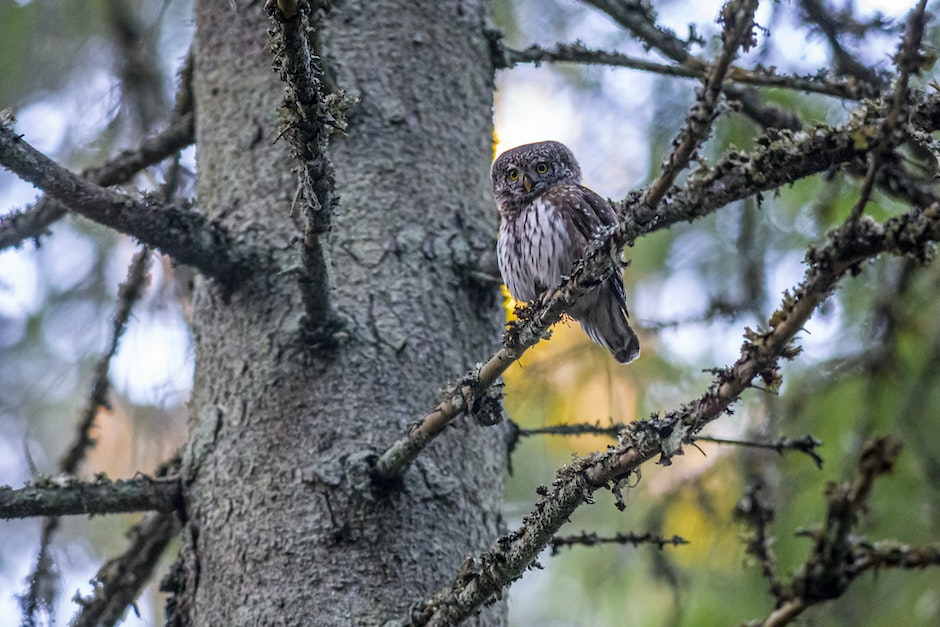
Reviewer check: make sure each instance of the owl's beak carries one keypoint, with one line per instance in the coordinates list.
(527, 183)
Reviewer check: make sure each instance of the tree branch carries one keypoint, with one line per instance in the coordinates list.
(43, 580)
(839, 555)
(738, 21)
(178, 231)
(103, 496)
(752, 511)
(637, 17)
(806, 445)
(533, 322)
(34, 222)
(307, 117)
(845, 63)
(780, 158)
(485, 575)
(765, 115)
(592, 539)
(396, 458)
(894, 555)
(137, 64)
(129, 293)
(908, 61)
(119, 582)
(820, 83)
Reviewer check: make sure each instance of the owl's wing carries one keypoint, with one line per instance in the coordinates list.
(590, 214)
(602, 311)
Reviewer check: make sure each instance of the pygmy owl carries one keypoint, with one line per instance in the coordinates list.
(547, 221)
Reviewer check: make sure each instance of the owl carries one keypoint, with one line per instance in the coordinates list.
(547, 222)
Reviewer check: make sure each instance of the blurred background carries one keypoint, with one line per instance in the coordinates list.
(88, 79)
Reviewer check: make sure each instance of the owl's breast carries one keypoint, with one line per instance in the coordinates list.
(534, 249)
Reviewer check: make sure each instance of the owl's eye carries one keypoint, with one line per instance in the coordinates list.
(514, 175)
(541, 167)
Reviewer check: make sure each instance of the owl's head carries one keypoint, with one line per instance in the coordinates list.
(524, 172)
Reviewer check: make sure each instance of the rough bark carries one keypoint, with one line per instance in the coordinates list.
(284, 526)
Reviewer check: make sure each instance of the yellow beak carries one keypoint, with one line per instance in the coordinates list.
(527, 182)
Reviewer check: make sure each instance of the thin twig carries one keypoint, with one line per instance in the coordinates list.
(807, 444)
(129, 293)
(44, 579)
(582, 428)
(592, 539)
(137, 64)
(766, 115)
(820, 83)
(718, 309)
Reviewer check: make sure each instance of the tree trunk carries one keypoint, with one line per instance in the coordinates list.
(284, 526)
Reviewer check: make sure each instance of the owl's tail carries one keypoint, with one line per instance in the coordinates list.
(603, 316)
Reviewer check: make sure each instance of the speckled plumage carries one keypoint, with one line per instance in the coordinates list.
(547, 221)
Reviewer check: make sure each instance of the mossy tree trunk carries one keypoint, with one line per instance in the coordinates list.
(283, 524)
